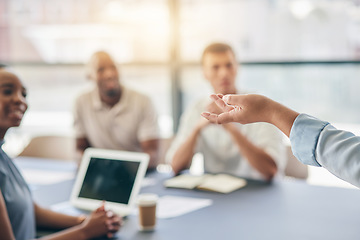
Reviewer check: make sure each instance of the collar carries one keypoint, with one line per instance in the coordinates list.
(99, 105)
(95, 98)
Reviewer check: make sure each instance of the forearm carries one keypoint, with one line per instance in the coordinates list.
(154, 156)
(5, 225)
(76, 232)
(256, 156)
(99, 223)
(281, 116)
(151, 147)
(51, 219)
(81, 145)
(184, 154)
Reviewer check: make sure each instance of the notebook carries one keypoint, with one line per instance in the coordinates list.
(111, 176)
(222, 183)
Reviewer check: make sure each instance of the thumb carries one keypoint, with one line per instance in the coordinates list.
(219, 101)
(232, 99)
(101, 208)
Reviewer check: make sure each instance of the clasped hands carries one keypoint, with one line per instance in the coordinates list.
(102, 222)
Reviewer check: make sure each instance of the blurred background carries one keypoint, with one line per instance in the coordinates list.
(303, 53)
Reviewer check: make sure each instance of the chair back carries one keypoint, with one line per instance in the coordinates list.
(53, 147)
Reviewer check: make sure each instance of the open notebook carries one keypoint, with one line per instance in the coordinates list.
(221, 183)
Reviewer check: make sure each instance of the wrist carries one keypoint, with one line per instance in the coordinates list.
(282, 117)
(80, 219)
(81, 231)
(229, 127)
(274, 110)
(198, 129)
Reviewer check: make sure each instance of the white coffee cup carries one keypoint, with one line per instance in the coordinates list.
(147, 211)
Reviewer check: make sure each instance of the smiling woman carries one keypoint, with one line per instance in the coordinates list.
(12, 101)
(19, 215)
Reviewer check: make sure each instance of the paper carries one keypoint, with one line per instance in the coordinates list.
(173, 206)
(147, 182)
(45, 177)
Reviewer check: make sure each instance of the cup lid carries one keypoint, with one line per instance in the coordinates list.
(147, 199)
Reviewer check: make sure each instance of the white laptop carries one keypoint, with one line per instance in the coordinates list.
(110, 175)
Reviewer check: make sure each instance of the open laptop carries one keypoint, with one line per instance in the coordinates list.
(110, 175)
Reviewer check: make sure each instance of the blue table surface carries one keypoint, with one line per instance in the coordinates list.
(279, 210)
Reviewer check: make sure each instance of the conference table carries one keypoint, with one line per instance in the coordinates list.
(289, 209)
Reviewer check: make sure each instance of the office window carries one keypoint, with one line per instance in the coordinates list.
(47, 43)
(301, 32)
(273, 30)
(68, 31)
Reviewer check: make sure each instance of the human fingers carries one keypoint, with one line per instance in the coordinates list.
(110, 214)
(101, 208)
(98, 216)
(213, 108)
(95, 225)
(226, 117)
(113, 226)
(232, 99)
(211, 117)
(113, 221)
(219, 101)
(218, 119)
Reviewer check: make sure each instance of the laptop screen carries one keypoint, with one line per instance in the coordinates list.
(109, 179)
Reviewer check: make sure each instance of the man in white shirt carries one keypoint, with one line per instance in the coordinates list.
(112, 116)
(254, 151)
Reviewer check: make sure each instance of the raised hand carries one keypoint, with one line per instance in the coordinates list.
(227, 114)
(250, 108)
